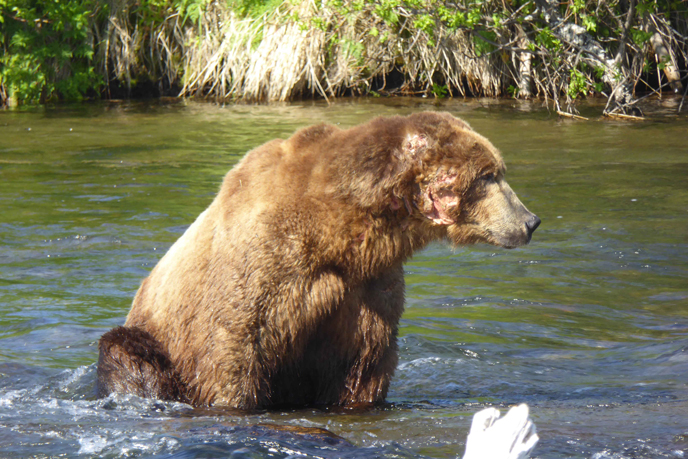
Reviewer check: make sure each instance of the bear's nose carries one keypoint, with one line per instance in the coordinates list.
(532, 223)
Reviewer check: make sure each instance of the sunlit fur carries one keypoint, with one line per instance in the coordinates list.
(288, 289)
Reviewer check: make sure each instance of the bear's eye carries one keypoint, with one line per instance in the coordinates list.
(489, 177)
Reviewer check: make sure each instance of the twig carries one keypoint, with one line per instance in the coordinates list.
(571, 115)
(506, 47)
(682, 100)
(624, 116)
(652, 93)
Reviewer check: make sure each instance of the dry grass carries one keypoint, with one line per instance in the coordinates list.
(304, 49)
(127, 49)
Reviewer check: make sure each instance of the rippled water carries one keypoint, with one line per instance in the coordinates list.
(588, 324)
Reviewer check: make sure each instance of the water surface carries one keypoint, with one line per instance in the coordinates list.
(588, 324)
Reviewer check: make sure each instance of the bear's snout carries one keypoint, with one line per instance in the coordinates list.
(532, 224)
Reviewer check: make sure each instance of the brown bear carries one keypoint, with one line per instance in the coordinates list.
(288, 289)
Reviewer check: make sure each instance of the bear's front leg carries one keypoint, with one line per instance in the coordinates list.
(372, 369)
(375, 311)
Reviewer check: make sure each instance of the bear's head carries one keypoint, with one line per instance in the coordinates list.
(456, 182)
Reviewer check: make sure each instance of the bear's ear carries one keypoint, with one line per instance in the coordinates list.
(414, 144)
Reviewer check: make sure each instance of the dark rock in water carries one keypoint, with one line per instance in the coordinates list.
(289, 440)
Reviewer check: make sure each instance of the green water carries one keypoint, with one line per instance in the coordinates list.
(588, 324)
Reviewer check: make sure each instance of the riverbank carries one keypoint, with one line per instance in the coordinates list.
(255, 50)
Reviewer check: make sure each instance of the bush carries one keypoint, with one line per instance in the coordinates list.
(47, 50)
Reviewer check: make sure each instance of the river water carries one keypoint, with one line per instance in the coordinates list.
(588, 324)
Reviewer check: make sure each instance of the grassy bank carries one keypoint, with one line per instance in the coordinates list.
(261, 50)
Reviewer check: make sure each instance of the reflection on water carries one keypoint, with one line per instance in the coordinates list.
(588, 324)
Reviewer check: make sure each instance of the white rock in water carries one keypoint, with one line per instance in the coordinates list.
(511, 437)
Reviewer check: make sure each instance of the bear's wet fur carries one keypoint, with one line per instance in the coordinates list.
(289, 288)
(132, 361)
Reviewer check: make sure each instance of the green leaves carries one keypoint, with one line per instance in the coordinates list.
(577, 6)
(640, 37)
(353, 49)
(192, 9)
(546, 39)
(425, 23)
(453, 18)
(386, 9)
(439, 90)
(589, 22)
(47, 50)
(577, 84)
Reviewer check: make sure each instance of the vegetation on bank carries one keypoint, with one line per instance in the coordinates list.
(281, 50)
